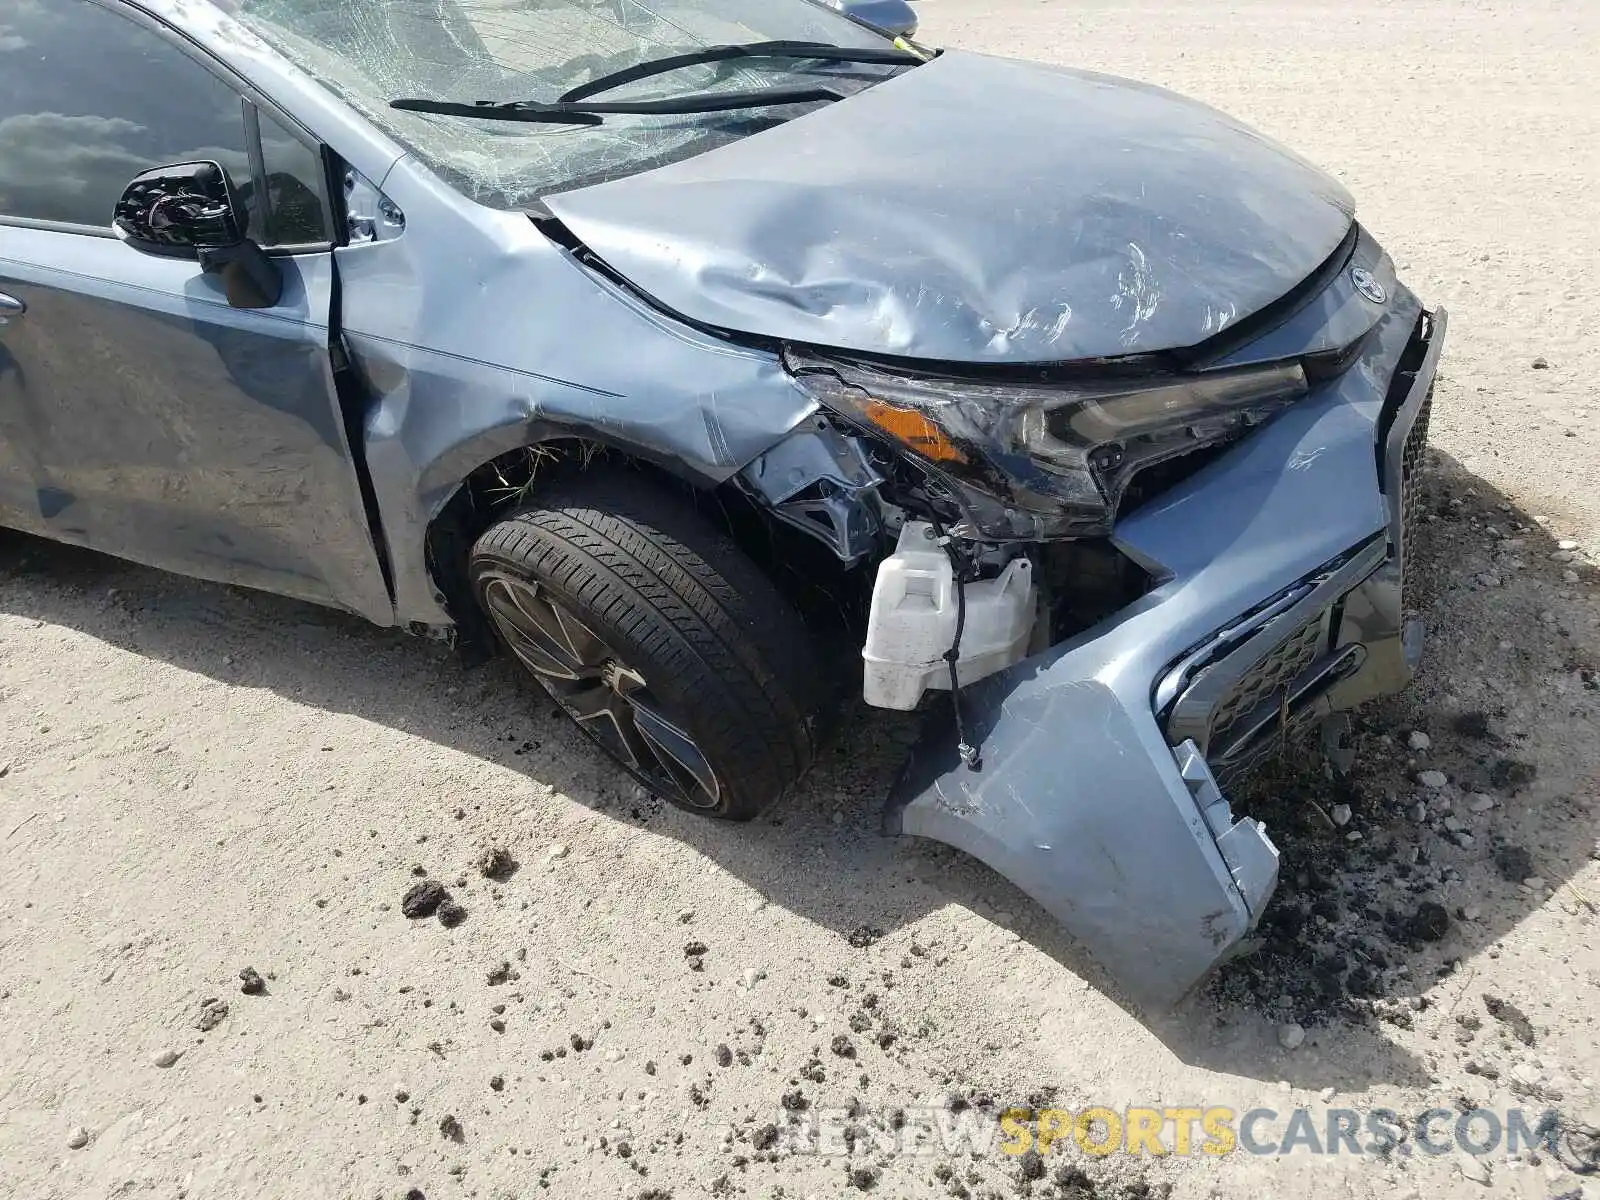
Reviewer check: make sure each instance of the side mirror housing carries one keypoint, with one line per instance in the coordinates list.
(192, 210)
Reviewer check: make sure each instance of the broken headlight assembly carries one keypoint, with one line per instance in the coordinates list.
(1033, 462)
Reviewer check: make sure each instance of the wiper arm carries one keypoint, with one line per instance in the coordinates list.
(821, 51)
(562, 113)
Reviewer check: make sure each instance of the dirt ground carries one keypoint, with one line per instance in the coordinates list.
(194, 779)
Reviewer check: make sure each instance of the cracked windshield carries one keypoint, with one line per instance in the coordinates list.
(374, 51)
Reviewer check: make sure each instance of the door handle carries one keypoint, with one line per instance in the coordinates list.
(10, 306)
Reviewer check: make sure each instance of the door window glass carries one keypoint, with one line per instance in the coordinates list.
(89, 98)
(296, 209)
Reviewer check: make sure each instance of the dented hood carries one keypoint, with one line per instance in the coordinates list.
(977, 210)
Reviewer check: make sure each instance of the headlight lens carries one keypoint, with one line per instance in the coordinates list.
(1056, 458)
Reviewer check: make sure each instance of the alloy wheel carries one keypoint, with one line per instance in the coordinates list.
(611, 701)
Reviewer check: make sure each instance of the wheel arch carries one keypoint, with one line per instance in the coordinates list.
(481, 479)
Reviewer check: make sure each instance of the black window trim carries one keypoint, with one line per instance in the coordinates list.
(252, 101)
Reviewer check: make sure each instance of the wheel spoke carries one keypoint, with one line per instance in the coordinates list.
(608, 717)
(677, 754)
(536, 633)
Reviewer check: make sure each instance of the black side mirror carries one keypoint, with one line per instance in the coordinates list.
(192, 210)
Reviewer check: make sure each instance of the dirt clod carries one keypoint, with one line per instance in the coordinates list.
(212, 1014)
(495, 862)
(1430, 921)
(863, 936)
(1513, 862)
(451, 1128)
(451, 913)
(423, 899)
(1512, 1017)
(251, 983)
(1512, 775)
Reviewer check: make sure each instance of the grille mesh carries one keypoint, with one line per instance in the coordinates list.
(1411, 464)
(1267, 680)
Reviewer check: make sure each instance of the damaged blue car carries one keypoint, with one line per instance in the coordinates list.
(718, 359)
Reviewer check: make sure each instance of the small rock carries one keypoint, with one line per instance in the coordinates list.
(1327, 1094)
(498, 974)
(1291, 1036)
(1480, 803)
(1525, 1073)
(1432, 779)
(423, 899)
(497, 1083)
(1569, 577)
(1539, 364)
(212, 1012)
(613, 1055)
(1474, 1169)
(78, 1138)
(752, 976)
(1534, 883)
(451, 1128)
(559, 850)
(251, 983)
(1419, 740)
(685, 915)
(723, 1055)
(451, 914)
(1419, 811)
(1340, 814)
(1566, 544)
(1471, 912)
(167, 1057)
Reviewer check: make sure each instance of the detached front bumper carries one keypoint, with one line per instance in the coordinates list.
(1282, 599)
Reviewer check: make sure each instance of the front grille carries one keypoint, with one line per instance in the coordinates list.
(1268, 681)
(1411, 465)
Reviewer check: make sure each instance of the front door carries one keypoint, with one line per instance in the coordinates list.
(140, 414)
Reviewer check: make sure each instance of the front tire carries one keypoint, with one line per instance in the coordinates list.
(659, 638)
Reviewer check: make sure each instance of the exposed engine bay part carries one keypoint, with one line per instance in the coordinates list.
(818, 480)
(916, 603)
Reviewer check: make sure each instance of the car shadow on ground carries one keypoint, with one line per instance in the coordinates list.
(1342, 950)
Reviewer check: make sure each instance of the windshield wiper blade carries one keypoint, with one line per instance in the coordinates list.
(562, 113)
(494, 110)
(821, 51)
